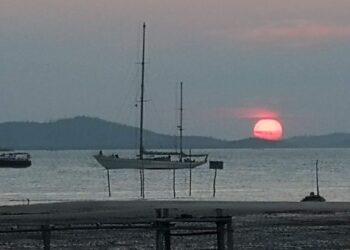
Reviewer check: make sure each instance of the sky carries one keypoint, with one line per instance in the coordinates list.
(240, 61)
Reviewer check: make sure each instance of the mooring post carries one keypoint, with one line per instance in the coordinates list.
(190, 190)
(174, 182)
(158, 213)
(214, 182)
(143, 182)
(109, 184)
(220, 230)
(165, 213)
(159, 234)
(220, 235)
(215, 165)
(46, 234)
(141, 188)
(167, 235)
(218, 212)
(229, 233)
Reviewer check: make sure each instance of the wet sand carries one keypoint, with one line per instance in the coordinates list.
(257, 225)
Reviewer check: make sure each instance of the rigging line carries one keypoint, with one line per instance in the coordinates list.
(176, 116)
(156, 114)
(126, 106)
(155, 107)
(154, 111)
(132, 74)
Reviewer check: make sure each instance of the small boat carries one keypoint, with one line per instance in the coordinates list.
(15, 160)
(312, 196)
(147, 159)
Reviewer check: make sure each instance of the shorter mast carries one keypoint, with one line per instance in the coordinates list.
(180, 126)
(317, 188)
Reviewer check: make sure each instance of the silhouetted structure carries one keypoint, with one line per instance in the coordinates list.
(313, 196)
(15, 160)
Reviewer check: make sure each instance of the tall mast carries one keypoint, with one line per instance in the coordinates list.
(142, 89)
(317, 188)
(180, 126)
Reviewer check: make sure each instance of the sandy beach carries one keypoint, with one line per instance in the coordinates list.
(256, 225)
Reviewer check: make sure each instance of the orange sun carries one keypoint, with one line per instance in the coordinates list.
(268, 129)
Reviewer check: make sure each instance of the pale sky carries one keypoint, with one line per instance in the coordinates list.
(239, 60)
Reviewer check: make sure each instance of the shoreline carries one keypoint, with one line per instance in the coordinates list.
(256, 225)
(94, 211)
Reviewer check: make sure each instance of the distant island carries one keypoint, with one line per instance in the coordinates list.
(94, 133)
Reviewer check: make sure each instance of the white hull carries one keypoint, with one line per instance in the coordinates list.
(111, 162)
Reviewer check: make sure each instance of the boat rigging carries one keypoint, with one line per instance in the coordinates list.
(151, 159)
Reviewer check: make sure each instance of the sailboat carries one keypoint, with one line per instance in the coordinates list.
(313, 196)
(151, 159)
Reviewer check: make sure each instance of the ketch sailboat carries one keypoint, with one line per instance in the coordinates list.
(151, 159)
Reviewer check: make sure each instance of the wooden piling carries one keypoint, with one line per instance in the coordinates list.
(159, 234)
(218, 212)
(163, 234)
(141, 187)
(109, 184)
(229, 233)
(167, 234)
(174, 182)
(165, 213)
(220, 231)
(214, 182)
(220, 235)
(215, 165)
(46, 234)
(143, 182)
(159, 240)
(190, 190)
(158, 213)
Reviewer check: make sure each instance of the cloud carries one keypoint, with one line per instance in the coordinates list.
(296, 33)
(245, 113)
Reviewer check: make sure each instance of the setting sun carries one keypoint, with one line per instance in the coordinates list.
(268, 129)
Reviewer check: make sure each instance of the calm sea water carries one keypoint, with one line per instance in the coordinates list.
(248, 175)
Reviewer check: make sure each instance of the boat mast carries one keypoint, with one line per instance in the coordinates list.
(142, 89)
(180, 126)
(317, 188)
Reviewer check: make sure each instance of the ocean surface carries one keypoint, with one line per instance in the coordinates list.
(248, 175)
